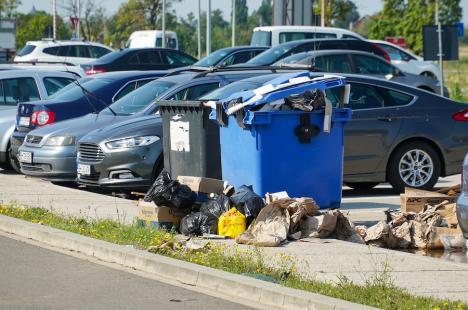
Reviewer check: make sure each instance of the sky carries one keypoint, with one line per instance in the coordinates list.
(186, 6)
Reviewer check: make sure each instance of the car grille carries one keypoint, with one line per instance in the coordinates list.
(88, 179)
(33, 139)
(90, 152)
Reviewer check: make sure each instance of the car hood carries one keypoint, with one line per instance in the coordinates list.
(77, 127)
(136, 126)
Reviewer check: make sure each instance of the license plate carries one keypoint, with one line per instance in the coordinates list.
(25, 157)
(24, 121)
(83, 169)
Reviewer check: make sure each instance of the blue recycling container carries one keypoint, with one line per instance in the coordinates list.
(276, 151)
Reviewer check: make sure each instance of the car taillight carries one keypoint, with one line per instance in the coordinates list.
(461, 116)
(384, 53)
(94, 70)
(41, 118)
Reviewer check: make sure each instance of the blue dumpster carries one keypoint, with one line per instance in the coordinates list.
(285, 150)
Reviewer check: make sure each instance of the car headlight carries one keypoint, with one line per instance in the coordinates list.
(131, 142)
(60, 141)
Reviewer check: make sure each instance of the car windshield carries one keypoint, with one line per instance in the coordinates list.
(139, 99)
(294, 59)
(239, 86)
(270, 56)
(110, 57)
(73, 92)
(212, 59)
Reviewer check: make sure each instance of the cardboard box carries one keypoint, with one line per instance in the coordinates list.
(156, 217)
(445, 238)
(202, 186)
(414, 200)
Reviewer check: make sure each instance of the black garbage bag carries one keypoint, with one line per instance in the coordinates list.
(216, 206)
(307, 101)
(170, 193)
(247, 202)
(198, 223)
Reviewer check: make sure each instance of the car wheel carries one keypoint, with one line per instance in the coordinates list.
(158, 167)
(14, 163)
(362, 186)
(415, 165)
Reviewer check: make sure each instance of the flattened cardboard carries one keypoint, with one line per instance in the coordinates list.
(414, 200)
(442, 237)
(202, 185)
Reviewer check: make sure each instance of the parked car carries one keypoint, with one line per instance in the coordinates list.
(76, 52)
(45, 66)
(344, 61)
(152, 38)
(399, 134)
(462, 201)
(274, 35)
(284, 50)
(408, 62)
(90, 94)
(23, 85)
(58, 162)
(139, 59)
(230, 56)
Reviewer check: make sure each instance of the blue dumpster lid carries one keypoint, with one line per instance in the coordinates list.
(281, 87)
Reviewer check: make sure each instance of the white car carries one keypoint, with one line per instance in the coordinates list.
(152, 38)
(73, 52)
(274, 35)
(406, 61)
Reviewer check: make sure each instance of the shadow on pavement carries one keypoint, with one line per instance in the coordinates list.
(367, 205)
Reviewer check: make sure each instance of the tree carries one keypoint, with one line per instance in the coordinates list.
(242, 13)
(8, 8)
(92, 19)
(264, 13)
(343, 13)
(387, 22)
(38, 25)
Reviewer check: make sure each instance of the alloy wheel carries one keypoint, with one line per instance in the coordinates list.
(416, 168)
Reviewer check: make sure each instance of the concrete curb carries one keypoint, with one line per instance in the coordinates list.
(225, 283)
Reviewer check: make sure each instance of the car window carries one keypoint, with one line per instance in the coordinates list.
(74, 92)
(237, 58)
(194, 92)
(319, 35)
(363, 96)
(20, 90)
(2, 97)
(78, 51)
(255, 53)
(394, 53)
(175, 58)
(63, 50)
(396, 98)
(226, 91)
(333, 63)
(125, 90)
(97, 51)
(51, 50)
(348, 36)
(139, 99)
(272, 55)
(54, 84)
(372, 65)
(293, 36)
(212, 59)
(28, 49)
(140, 83)
(149, 57)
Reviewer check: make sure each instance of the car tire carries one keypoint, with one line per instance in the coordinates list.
(13, 162)
(362, 186)
(157, 169)
(414, 164)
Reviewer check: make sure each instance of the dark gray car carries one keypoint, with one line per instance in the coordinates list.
(347, 61)
(462, 201)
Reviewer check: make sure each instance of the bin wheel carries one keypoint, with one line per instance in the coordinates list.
(362, 186)
(414, 164)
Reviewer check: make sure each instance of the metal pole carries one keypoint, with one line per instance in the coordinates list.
(322, 13)
(208, 29)
(79, 21)
(439, 38)
(233, 23)
(199, 30)
(54, 25)
(164, 23)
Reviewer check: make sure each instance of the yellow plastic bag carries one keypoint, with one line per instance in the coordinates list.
(231, 223)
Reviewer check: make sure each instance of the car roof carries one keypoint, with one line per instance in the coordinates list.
(333, 52)
(68, 42)
(305, 41)
(243, 47)
(128, 74)
(15, 73)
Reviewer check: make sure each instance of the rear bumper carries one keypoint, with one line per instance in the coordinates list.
(51, 163)
(462, 213)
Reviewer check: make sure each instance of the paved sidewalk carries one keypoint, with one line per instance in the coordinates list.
(322, 259)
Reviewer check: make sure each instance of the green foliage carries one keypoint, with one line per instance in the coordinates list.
(379, 290)
(344, 12)
(406, 18)
(35, 26)
(8, 8)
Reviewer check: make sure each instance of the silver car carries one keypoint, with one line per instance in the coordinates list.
(19, 86)
(462, 202)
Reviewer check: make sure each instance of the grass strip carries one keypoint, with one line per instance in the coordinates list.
(379, 290)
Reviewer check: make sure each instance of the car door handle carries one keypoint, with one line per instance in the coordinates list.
(387, 118)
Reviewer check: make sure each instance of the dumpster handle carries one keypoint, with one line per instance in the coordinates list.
(305, 131)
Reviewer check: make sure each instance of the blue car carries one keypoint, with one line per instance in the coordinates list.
(89, 95)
